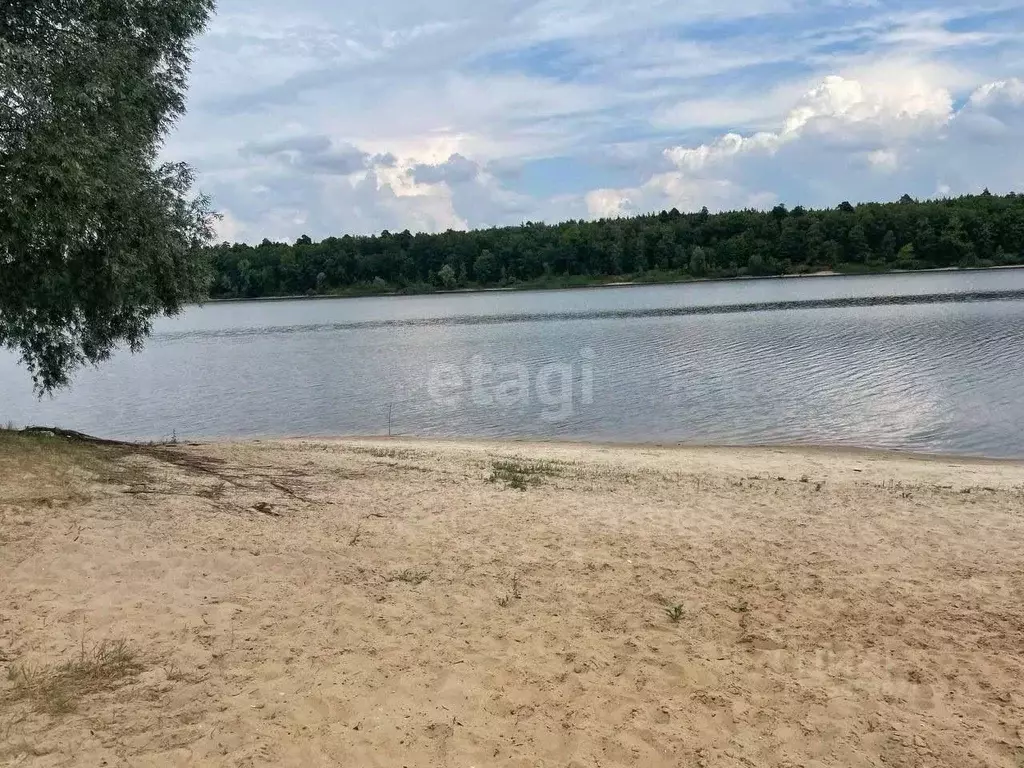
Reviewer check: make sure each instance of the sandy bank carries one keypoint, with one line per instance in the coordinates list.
(419, 603)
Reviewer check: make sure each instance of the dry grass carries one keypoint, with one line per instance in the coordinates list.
(519, 475)
(48, 469)
(57, 689)
(385, 453)
(410, 576)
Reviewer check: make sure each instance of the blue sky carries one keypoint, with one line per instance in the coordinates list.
(324, 118)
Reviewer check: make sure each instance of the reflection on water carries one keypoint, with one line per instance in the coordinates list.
(607, 314)
(825, 360)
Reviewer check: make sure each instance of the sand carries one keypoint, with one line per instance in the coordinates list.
(383, 603)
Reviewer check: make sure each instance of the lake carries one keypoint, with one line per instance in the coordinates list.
(927, 362)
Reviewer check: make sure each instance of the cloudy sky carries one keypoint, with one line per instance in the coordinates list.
(324, 118)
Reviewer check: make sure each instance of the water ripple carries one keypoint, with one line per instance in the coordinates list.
(935, 372)
(608, 314)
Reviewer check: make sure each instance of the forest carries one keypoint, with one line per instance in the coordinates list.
(970, 231)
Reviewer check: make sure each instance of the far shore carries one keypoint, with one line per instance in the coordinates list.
(609, 284)
(424, 603)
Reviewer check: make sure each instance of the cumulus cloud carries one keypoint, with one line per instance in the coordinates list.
(310, 154)
(845, 139)
(318, 118)
(839, 110)
(455, 170)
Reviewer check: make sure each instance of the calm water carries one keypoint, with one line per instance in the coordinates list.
(931, 362)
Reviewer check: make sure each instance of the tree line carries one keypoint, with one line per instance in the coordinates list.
(969, 231)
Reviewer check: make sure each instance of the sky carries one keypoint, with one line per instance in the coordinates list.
(325, 118)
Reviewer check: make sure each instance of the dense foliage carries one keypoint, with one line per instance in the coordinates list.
(980, 230)
(96, 236)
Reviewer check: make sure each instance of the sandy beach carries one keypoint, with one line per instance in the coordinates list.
(426, 603)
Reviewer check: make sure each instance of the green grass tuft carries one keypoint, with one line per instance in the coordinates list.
(58, 689)
(674, 613)
(519, 475)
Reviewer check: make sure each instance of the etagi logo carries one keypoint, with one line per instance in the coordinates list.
(512, 385)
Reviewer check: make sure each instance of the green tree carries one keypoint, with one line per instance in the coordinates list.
(887, 252)
(96, 236)
(925, 242)
(833, 252)
(446, 277)
(857, 249)
(905, 257)
(665, 251)
(486, 269)
(986, 241)
(698, 261)
(954, 249)
(792, 243)
(814, 243)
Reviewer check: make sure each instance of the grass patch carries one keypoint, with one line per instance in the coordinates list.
(674, 613)
(519, 475)
(385, 453)
(410, 576)
(58, 689)
(43, 468)
(898, 488)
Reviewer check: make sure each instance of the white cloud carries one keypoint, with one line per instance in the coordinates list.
(1002, 93)
(412, 115)
(837, 109)
(884, 159)
(846, 139)
(610, 203)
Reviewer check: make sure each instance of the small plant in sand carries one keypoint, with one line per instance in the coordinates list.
(674, 613)
(56, 690)
(380, 452)
(410, 576)
(515, 593)
(519, 475)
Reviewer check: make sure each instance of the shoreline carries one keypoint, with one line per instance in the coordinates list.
(613, 284)
(827, 449)
(833, 449)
